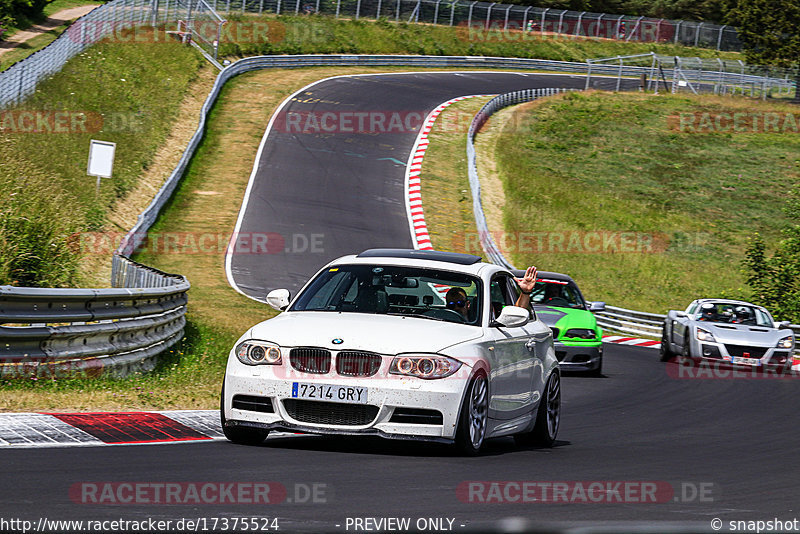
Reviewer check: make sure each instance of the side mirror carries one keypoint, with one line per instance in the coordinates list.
(512, 316)
(598, 306)
(279, 299)
(784, 325)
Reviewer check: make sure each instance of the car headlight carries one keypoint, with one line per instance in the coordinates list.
(786, 343)
(705, 335)
(253, 352)
(581, 333)
(424, 365)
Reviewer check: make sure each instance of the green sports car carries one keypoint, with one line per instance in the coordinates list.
(559, 304)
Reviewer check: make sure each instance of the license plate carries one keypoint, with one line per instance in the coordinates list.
(746, 361)
(327, 392)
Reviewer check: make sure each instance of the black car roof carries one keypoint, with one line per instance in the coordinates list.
(545, 275)
(434, 255)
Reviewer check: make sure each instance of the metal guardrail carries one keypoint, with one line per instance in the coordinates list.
(46, 332)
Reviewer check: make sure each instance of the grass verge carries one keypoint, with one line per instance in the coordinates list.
(290, 34)
(580, 166)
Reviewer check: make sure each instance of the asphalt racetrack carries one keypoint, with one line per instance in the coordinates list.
(321, 193)
(732, 441)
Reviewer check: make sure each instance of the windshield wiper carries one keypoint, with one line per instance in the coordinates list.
(416, 316)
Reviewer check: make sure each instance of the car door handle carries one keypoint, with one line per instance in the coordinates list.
(530, 345)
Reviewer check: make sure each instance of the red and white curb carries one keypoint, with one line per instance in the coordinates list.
(635, 341)
(29, 430)
(416, 215)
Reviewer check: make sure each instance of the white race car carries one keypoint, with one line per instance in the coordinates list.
(402, 344)
(730, 331)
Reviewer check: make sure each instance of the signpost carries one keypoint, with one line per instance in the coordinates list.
(101, 160)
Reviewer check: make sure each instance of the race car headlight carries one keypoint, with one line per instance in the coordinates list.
(581, 333)
(705, 335)
(786, 343)
(426, 366)
(252, 352)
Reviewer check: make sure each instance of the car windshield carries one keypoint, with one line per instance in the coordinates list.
(557, 294)
(732, 313)
(389, 290)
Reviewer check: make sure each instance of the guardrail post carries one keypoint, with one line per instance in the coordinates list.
(597, 31)
(358, 9)
(658, 30)
(678, 30)
(697, 34)
(397, 12)
(578, 25)
(719, 38)
(560, 20)
(436, 12)
(505, 24)
(525, 20)
(338, 7)
(544, 13)
(452, 11)
(588, 72)
(469, 18)
(489, 14)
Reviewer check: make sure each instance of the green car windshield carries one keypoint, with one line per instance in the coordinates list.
(557, 294)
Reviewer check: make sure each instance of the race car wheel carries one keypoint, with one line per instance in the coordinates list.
(548, 416)
(239, 434)
(664, 351)
(474, 416)
(599, 370)
(686, 350)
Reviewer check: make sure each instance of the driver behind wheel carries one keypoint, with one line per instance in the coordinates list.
(457, 301)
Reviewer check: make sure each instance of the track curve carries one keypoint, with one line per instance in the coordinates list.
(340, 190)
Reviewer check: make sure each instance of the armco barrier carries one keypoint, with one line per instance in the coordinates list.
(49, 332)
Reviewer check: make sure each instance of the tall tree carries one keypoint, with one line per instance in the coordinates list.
(770, 32)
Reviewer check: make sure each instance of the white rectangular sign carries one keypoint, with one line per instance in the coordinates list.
(101, 158)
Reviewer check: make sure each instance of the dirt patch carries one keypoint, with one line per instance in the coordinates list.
(59, 18)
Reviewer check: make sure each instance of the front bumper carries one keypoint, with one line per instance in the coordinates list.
(744, 356)
(267, 394)
(577, 356)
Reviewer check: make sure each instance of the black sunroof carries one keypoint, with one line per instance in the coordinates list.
(435, 255)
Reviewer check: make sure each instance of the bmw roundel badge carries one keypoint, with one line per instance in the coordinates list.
(338, 341)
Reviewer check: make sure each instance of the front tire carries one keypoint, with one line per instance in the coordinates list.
(599, 371)
(665, 353)
(474, 417)
(686, 351)
(239, 434)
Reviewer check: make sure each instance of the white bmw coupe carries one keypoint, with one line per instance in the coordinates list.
(398, 343)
